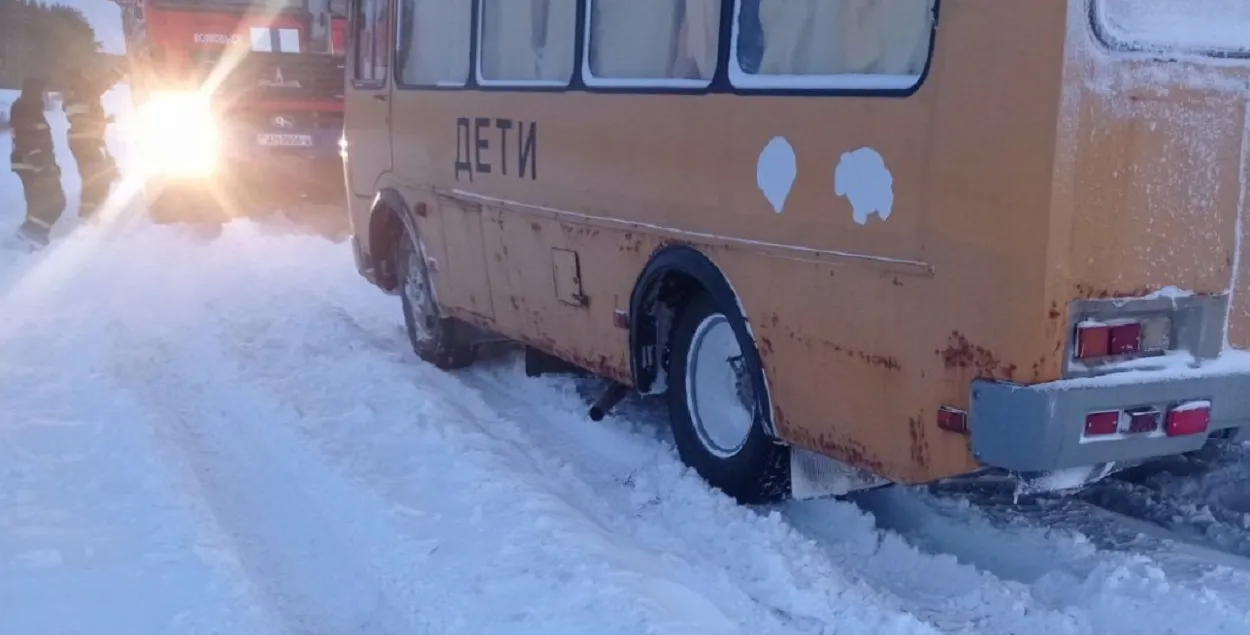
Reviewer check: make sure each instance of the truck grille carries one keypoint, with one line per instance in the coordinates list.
(270, 76)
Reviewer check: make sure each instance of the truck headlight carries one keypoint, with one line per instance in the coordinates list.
(177, 135)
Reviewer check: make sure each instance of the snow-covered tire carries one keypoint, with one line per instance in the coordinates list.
(716, 410)
(436, 339)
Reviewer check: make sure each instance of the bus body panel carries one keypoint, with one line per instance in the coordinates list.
(541, 208)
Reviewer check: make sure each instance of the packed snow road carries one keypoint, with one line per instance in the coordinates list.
(232, 436)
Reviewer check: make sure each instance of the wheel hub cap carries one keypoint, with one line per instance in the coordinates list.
(720, 393)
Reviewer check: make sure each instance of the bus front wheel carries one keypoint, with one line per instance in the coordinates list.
(716, 410)
(436, 339)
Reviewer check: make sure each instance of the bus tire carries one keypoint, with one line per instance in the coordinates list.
(436, 339)
(717, 415)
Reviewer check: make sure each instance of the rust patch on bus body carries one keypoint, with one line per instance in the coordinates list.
(919, 441)
(960, 354)
(1089, 292)
(887, 362)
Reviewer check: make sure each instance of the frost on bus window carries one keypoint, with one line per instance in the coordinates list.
(1196, 26)
(858, 44)
(672, 41)
(528, 41)
(434, 40)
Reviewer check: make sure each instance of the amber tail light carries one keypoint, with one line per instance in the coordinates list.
(1096, 340)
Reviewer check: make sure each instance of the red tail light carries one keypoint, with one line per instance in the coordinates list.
(952, 420)
(1099, 424)
(1125, 339)
(1190, 418)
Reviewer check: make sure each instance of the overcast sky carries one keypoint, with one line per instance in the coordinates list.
(106, 18)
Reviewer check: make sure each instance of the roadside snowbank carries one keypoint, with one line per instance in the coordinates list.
(7, 97)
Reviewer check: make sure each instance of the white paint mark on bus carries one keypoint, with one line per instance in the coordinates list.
(863, 178)
(775, 172)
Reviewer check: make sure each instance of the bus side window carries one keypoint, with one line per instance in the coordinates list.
(656, 39)
(369, 40)
(528, 40)
(434, 41)
(847, 37)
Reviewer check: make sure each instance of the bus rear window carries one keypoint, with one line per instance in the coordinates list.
(1217, 28)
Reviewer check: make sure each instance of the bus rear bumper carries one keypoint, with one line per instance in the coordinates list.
(1042, 427)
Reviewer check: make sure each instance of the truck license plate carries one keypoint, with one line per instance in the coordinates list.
(285, 140)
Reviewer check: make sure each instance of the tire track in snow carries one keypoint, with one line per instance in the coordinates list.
(1185, 587)
(390, 422)
(884, 566)
(632, 486)
(299, 553)
(498, 556)
(683, 588)
(94, 535)
(937, 588)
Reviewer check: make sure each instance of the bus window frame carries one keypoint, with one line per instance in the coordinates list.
(831, 84)
(719, 84)
(191, 6)
(1098, 24)
(354, 13)
(550, 85)
(648, 84)
(470, 75)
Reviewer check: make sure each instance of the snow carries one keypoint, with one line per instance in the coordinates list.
(232, 436)
(7, 97)
(1171, 25)
(1201, 404)
(1171, 366)
(1169, 292)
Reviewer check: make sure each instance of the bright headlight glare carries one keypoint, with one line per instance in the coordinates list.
(178, 135)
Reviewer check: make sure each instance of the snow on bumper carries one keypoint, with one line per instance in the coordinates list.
(1041, 427)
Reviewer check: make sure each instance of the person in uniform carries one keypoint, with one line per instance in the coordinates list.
(82, 102)
(34, 161)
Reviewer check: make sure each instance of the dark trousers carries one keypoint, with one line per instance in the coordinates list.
(97, 170)
(45, 198)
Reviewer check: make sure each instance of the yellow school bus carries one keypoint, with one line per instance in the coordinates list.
(850, 242)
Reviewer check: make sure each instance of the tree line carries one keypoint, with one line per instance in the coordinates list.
(48, 40)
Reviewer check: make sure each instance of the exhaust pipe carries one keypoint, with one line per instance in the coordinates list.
(611, 396)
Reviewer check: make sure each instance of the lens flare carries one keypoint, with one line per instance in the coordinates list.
(177, 135)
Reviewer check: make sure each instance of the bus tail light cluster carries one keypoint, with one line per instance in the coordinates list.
(1098, 339)
(1191, 417)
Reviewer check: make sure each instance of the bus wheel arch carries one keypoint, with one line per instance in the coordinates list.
(388, 221)
(681, 297)
(402, 269)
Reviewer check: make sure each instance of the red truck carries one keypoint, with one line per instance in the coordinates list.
(239, 104)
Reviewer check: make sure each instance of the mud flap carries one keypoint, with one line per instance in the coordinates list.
(817, 476)
(1063, 480)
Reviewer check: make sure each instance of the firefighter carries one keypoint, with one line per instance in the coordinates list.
(87, 126)
(34, 161)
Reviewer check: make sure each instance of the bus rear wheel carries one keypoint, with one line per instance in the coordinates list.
(717, 409)
(436, 339)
